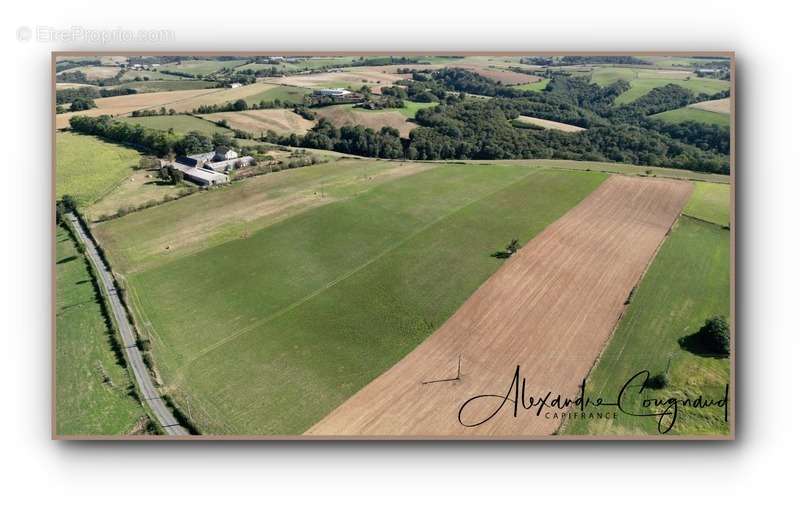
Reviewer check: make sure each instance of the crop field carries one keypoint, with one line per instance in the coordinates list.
(549, 310)
(693, 114)
(710, 202)
(609, 75)
(622, 168)
(120, 105)
(281, 121)
(183, 227)
(410, 251)
(342, 115)
(167, 85)
(721, 106)
(546, 124)
(88, 168)
(202, 67)
(91, 387)
(354, 77)
(687, 283)
(223, 96)
(178, 123)
(685, 62)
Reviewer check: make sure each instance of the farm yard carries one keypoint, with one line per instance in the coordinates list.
(343, 267)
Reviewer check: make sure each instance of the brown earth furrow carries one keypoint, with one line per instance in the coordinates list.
(550, 309)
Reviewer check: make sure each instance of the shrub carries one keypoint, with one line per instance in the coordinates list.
(715, 335)
(657, 381)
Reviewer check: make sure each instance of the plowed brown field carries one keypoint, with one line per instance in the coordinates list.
(550, 309)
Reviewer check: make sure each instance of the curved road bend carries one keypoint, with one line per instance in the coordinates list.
(132, 353)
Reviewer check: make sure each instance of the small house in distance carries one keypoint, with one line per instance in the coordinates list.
(208, 169)
(333, 92)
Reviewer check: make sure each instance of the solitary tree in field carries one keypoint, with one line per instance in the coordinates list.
(713, 338)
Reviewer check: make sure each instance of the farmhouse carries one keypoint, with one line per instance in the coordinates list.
(333, 92)
(211, 168)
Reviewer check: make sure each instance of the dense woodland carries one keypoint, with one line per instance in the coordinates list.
(465, 127)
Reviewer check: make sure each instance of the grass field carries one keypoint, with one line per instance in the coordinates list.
(609, 75)
(693, 114)
(308, 310)
(141, 187)
(533, 86)
(687, 283)
(88, 168)
(345, 114)
(178, 123)
(410, 109)
(140, 240)
(94, 72)
(640, 87)
(710, 202)
(91, 387)
(154, 75)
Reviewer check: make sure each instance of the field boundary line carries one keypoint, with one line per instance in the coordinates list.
(349, 274)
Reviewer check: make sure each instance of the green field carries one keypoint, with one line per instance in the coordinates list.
(167, 85)
(291, 94)
(710, 202)
(91, 387)
(678, 61)
(274, 330)
(87, 168)
(130, 75)
(410, 108)
(202, 67)
(692, 114)
(609, 75)
(688, 282)
(178, 123)
(640, 87)
(533, 86)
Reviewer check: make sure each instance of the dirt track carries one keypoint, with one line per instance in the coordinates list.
(549, 309)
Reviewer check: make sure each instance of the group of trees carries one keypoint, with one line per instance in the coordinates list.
(159, 142)
(384, 143)
(69, 95)
(240, 105)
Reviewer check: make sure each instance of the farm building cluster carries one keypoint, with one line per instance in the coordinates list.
(212, 168)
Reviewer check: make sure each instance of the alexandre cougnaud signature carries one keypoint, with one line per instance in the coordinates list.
(633, 399)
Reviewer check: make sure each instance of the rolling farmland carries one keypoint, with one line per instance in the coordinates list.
(398, 269)
(92, 387)
(549, 309)
(342, 115)
(524, 121)
(692, 114)
(178, 123)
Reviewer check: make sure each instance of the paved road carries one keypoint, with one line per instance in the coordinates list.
(132, 353)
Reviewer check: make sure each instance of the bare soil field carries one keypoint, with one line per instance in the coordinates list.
(550, 309)
(341, 115)
(721, 106)
(281, 121)
(549, 125)
(125, 104)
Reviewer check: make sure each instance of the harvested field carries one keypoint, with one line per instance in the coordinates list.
(281, 121)
(548, 125)
(721, 106)
(550, 309)
(342, 115)
(120, 105)
(223, 96)
(94, 72)
(355, 78)
(503, 76)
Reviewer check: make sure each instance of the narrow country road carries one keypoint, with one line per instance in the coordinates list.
(133, 355)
